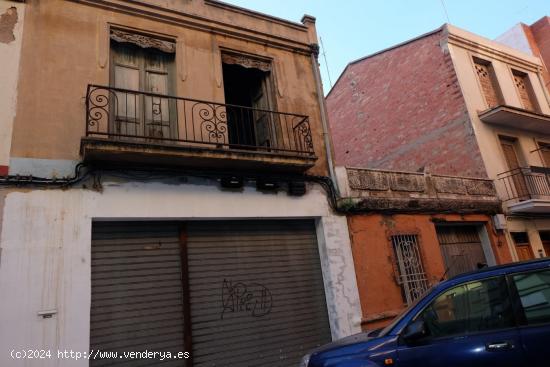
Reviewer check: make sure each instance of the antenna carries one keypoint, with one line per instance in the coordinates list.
(445, 10)
(325, 58)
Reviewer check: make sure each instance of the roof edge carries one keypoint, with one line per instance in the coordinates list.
(404, 43)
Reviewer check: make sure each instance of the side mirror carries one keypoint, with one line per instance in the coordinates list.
(414, 331)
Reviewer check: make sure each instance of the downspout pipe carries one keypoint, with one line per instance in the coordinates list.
(324, 116)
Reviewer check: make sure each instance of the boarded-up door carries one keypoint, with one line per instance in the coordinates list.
(461, 248)
(137, 300)
(256, 291)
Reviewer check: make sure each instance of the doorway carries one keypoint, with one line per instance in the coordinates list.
(248, 94)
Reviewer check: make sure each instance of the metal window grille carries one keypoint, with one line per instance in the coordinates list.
(412, 276)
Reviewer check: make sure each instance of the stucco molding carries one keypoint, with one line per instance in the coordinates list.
(480, 49)
(193, 21)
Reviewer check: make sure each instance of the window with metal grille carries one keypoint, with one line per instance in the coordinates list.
(412, 277)
(487, 79)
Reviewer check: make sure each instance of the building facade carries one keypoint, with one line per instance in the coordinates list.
(453, 106)
(411, 230)
(166, 186)
(532, 39)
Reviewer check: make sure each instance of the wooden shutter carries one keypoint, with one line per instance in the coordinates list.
(461, 248)
(257, 293)
(137, 300)
(488, 83)
(143, 70)
(525, 91)
(126, 74)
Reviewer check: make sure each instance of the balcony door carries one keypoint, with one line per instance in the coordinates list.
(512, 161)
(143, 77)
(249, 92)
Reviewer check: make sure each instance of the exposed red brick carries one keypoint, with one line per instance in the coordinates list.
(540, 34)
(402, 109)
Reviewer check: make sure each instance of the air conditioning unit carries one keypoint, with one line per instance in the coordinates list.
(499, 222)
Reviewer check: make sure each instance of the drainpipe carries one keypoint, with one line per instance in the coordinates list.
(324, 122)
(309, 21)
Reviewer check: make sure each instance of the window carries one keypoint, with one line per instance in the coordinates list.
(525, 90)
(487, 79)
(248, 82)
(412, 276)
(534, 292)
(470, 308)
(143, 64)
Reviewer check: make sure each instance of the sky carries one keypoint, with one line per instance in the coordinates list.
(350, 29)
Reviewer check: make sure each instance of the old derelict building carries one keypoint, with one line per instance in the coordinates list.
(411, 230)
(163, 187)
(457, 107)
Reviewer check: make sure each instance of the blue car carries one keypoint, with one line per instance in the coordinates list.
(497, 316)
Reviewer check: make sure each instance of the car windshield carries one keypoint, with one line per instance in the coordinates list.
(403, 313)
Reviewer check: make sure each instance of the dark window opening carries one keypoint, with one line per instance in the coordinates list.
(251, 124)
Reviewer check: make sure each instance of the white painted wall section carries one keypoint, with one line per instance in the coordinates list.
(46, 253)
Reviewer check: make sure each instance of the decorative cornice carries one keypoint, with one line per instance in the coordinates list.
(482, 49)
(193, 21)
(255, 14)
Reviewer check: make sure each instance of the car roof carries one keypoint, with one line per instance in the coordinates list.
(503, 269)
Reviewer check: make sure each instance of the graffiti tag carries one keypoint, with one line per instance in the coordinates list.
(254, 298)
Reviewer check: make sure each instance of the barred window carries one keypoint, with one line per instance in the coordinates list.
(412, 277)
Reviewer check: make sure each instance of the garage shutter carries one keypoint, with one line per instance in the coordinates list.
(256, 292)
(461, 248)
(137, 299)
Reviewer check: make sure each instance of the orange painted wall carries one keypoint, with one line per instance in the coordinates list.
(375, 265)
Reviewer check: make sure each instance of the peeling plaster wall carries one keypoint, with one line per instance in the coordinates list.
(11, 35)
(46, 252)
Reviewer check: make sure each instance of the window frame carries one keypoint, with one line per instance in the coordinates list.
(516, 299)
(493, 79)
(525, 75)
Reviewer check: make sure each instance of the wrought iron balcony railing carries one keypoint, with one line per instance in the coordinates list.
(525, 183)
(141, 117)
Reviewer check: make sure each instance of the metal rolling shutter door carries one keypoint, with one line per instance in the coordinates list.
(256, 292)
(137, 301)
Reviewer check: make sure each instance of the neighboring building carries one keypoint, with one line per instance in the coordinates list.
(448, 103)
(198, 220)
(411, 230)
(533, 39)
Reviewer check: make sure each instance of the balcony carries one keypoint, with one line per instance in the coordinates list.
(131, 127)
(398, 191)
(526, 190)
(517, 118)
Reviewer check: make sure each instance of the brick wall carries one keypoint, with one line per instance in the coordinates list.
(540, 31)
(402, 109)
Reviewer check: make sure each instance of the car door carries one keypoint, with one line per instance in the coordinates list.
(533, 290)
(471, 324)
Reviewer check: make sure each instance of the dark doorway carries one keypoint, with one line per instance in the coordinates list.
(251, 124)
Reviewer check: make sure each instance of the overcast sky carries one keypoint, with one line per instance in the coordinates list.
(351, 29)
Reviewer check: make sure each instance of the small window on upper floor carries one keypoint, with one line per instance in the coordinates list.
(525, 91)
(488, 82)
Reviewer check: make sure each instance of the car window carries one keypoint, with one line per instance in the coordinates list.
(534, 292)
(469, 308)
